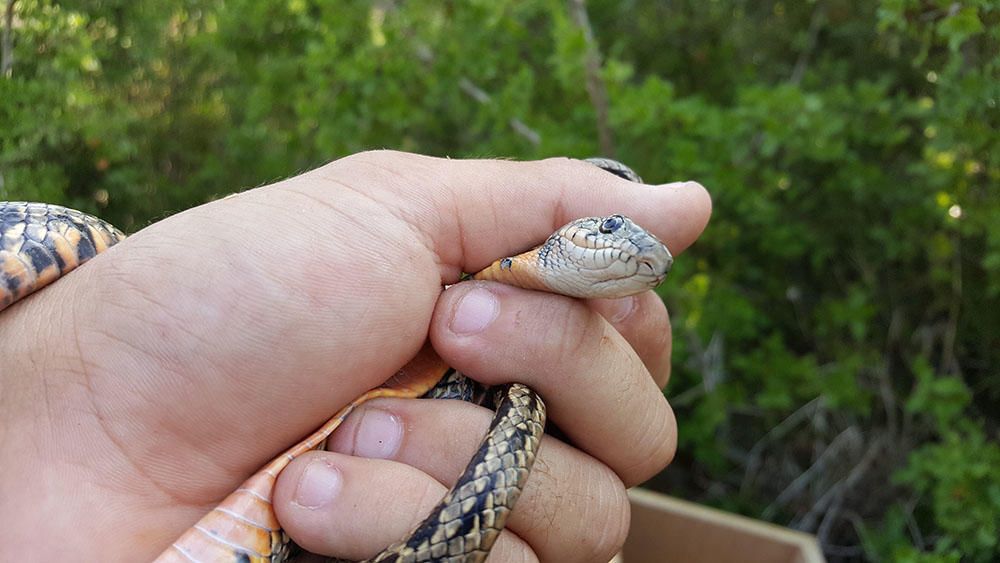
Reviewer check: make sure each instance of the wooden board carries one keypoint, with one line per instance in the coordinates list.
(665, 530)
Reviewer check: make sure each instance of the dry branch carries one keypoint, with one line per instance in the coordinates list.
(595, 85)
(7, 41)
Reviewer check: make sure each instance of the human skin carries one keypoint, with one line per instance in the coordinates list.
(141, 389)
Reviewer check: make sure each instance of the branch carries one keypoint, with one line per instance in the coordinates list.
(808, 522)
(711, 363)
(815, 23)
(778, 432)
(467, 86)
(948, 362)
(7, 41)
(849, 437)
(481, 96)
(595, 85)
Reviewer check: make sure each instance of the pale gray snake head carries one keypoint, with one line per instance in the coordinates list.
(603, 257)
(591, 257)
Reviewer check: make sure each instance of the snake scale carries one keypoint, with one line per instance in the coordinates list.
(591, 257)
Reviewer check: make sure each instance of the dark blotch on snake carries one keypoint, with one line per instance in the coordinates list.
(86, 249)
(12, 282)
(39, 255)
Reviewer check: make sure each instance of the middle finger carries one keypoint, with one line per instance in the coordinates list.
(643, 321)
(595, 386)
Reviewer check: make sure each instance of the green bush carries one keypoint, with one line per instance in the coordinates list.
(838, 326)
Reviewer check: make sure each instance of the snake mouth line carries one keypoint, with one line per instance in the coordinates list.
(648, 268)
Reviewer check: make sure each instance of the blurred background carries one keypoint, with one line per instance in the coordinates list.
(838, 326)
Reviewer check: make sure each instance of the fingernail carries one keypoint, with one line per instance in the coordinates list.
(474, 312)
(622, 308)
(318, 485)
(378, 435)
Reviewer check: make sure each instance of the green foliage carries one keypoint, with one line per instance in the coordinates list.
(960, 474)
(961, 478)
(942, 399)
(836, 330)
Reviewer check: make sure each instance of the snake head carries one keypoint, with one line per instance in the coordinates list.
(604, 257)
(592, 257)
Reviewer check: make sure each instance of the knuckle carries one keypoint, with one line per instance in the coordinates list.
(657, 315)
(659, 329)
(610, 514)
(511, 549)
(561, 166)
(576, 332)
(373, 156)
(560, 162)
(426, 493)
(661, 365)
(655, 446)
(582, 486)
(650, 336)
(397, 161)
(386, 163)
(662, 333)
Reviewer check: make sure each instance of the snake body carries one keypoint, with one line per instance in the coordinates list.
(39, 243)
(591, 257)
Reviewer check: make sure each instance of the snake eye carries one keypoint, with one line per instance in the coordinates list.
(612, 224)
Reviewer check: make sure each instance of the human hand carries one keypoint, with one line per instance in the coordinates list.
(140, 390)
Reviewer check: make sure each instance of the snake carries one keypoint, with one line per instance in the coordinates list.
(590, 257)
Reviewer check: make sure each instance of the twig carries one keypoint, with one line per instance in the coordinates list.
(480, 95)
(595, 85)
(710, 362)
(826, 525)
(808, 522)
(7, 42)
(911, 524)
(884, 381)
(779, 431)
(467, 86)
(689, 395)
(849, 552)
(474, 92)
(849, 436)
(948, 362)
(859, 527)
(802, 63)
(523, 130)
(7, 63)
